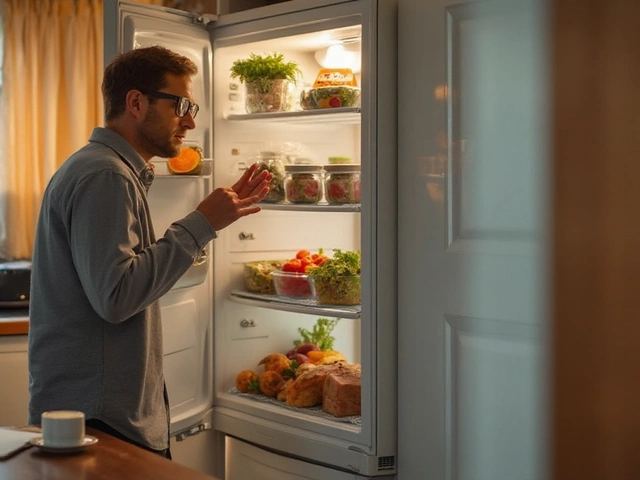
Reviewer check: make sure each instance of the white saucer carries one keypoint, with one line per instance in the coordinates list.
(88, 440)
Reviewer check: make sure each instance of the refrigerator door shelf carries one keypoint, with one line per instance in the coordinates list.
(196, 275)
(296, 306)
(162, 171)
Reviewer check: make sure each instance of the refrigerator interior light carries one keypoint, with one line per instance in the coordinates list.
(341, 54)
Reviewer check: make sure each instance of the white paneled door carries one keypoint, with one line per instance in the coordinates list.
(473, 196)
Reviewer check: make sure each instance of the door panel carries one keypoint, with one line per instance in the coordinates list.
(186, 309)
(472, 256)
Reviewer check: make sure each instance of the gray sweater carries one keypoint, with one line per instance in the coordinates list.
(95, 335)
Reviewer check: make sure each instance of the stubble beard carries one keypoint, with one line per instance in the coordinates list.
(154, 139)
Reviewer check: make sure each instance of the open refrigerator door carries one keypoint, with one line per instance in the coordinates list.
(186, 308)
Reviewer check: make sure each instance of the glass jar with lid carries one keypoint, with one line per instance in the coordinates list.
(303, 183)
(272, 161)
(342, 183)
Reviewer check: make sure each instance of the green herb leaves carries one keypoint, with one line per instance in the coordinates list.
(342, 264)
(320, 335)
(268, 67)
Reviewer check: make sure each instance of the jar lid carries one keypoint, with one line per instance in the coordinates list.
(302, 160)
(303, 168)
(339, 160)
(268, 154)
(342, 168)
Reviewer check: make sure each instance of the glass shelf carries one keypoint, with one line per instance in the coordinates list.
(310, 307)
(314, 207)
(342, 115)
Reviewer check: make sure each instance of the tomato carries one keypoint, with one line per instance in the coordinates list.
(304, 262)
(320, 260)
(303, 254)
(294, 265)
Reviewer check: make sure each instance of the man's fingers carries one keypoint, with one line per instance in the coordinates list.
(255, 197)
(246, 178)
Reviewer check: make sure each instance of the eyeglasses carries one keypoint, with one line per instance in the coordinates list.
(183, 105)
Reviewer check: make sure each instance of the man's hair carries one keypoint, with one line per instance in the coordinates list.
(140, 69)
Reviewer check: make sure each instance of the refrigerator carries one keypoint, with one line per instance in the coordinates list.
(212, 326)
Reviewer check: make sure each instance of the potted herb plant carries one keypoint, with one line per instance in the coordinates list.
(267, 79)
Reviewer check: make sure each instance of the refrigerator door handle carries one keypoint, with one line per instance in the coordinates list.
(193, 431)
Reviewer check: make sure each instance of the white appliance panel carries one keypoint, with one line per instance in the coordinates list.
(248, 462)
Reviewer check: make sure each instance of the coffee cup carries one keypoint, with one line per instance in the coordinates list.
(62, 428)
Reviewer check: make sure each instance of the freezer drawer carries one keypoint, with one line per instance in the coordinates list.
(248, 462)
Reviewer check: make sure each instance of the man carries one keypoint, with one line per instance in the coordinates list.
(95, 339)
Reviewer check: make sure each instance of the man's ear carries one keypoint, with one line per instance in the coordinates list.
(136, 103)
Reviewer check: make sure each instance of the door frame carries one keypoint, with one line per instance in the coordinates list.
(595, 354)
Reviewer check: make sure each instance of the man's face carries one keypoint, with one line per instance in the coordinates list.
(161, 131)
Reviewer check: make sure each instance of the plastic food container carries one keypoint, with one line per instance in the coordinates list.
(257, 275)
(342, 183)
(292, 284)
(303, 183)
(330, 97)
(343, 290)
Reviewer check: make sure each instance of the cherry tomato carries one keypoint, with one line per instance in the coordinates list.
(303, 254)
(294, 265)
(319, 261)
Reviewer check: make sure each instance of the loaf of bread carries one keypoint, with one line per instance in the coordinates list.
(306, 390)
(341, 392)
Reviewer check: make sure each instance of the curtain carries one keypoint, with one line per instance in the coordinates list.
(51, 101)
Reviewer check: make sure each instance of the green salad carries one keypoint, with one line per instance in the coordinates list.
(330, 97)
(337, 280)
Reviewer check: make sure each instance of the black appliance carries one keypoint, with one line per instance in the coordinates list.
(15, 280)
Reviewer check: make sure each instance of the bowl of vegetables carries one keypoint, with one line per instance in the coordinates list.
(257, 275)
(337, 280)
(330, 97)
(291, 284)
(292, 280)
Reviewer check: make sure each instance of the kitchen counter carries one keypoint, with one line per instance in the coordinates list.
(109, 459)
(14, 321)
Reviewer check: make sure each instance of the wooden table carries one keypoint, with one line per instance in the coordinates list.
(109, 459)
(14, 321)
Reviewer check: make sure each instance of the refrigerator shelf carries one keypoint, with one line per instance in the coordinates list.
(314, 207)
(312, 411)
(310, 307)
(341, 115)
